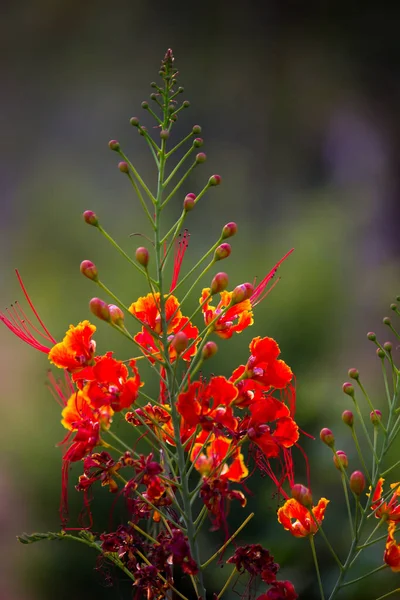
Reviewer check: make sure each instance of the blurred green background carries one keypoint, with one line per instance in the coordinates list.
(299, 110)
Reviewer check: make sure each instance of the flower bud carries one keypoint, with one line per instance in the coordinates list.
(116, 315)
(357, 482)
(388, 346)
(90, 218)
(387, 321)
(209, 349)
(100, 309)
(354, 374)
(229, 230)
(198, 142)
(242, 292)
(327, 437)
(113, 145)
(123, 167)
(164, 134)
(89, 270)
(371, 336)
(340, 458)
(180, 342)
(189, 202)
(196, 129)
(186, 104)
(375, 416)
(201, 157)
(134, 121)
(380, 353)
(223, 251)
(215, 180)
(348, 389)
(145, 105)
(219, 283)
(142, 256)
(142, 130)
(393, 306)
(348, 418)
(302, 494)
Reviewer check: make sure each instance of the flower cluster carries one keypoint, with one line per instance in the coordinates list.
(207, 435)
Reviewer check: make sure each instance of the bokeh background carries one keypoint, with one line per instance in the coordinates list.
(299, 109)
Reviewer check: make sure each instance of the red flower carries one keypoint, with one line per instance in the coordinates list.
(77, 348)
(280, 590)
(109, 384)
(208, 405)
(297, 519)
(147, 310)
(392, 551)
(234, 320)
(285, 434)
(386, 510)
(152, 347)
(214, 462)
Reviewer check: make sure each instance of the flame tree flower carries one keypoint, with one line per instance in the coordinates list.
(297, 519)
(392, 550)
(390, 511)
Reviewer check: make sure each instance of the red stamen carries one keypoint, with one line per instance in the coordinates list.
(181, 246)
(17, 322)
(257, 295)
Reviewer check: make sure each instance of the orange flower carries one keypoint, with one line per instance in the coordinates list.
(392, 551)
(212, 462)
(147, 310)
(79, 409)
(303, 524)
(77, 348)
(151, 347)
(235, 319)
(389, 511)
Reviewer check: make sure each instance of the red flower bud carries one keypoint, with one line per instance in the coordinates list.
(123, 167)
(142, 256)
(219, 283)
(380, 353)
(348, 389)
(198, 142)
(340, 458)
(189, 202)
(90, 218)
(375, 416)
(214, 180)
(201, 157)
(348, 418)
(100, 309)
(134, 121)
(371, 336)
(89, 270)
(209, 349)
(327, 437)
(302, 494)
(196, 129)
(223, 251)
(353, 373)
(388, 346)
(386, 321)
(113, 145)
(164, 134)
(229, 230)
(242, 292)
(180, 342)
(116, 314)
(393, 306)
(357, 482)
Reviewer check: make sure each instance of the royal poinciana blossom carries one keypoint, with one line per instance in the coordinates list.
(205, 436)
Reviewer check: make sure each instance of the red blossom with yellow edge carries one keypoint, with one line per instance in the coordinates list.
(297, 519)
(220, 459)
(77, 348)
(234, 320)
(391, 555)
(147, 310)
(153, 348)
(389, 511)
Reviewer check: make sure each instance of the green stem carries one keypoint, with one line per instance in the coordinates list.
(227, 583)
(321, 589)
(178, 185)
(364, 576)
(226, 544)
